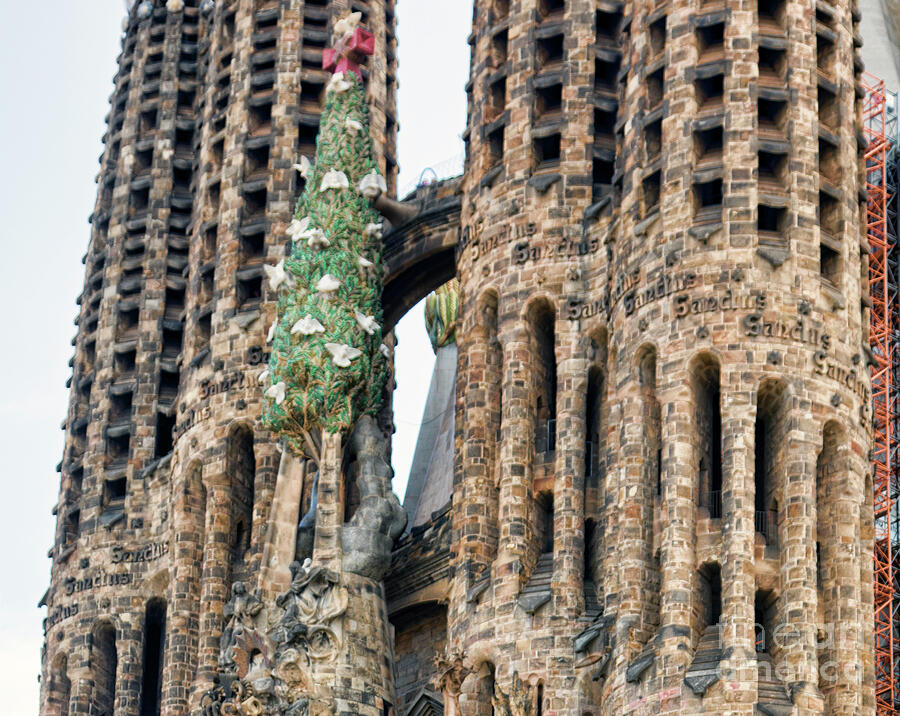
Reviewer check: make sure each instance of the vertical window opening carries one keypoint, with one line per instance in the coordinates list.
(544, 353)
(242, 470)
(104, 662)
(154, 642)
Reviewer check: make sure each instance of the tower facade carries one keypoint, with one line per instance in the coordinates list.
(168, 477)
(662, 500)
(650, 490)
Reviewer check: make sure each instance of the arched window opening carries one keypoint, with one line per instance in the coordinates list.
(770, 435)
(543, 338)
(539, 701)
(708, 412)
(484, 697)
(593, 433)
(60, 690)
(154, 643)
(104, 662)
(651, 488)
(493, 379)
(242, 471)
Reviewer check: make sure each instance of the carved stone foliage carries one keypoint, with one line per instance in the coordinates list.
(451, 672)
(269, 653)
(368, 538)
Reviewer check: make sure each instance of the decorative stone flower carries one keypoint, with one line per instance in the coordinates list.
(264, 376)
(277, 392)
(276, 275)
(145, 10)
(338, 83)
(175, 5)
(304, 167)
(374, 231)
(328, 284)
(342, 355)
(372, 185)
(385, 351)
(307, 326)
(367, 323)
(271, 335)
(353, 127)
(334, 180)
(346, 25)
(365, 263)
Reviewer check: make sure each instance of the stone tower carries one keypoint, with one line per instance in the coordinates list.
(168, 477)
(661, 501)
(649, 491)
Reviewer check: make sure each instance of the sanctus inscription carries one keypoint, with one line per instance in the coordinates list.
(147, 553)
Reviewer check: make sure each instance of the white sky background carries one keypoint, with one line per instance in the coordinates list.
(57, 61)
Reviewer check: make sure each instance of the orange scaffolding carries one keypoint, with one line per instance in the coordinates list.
(879, 125)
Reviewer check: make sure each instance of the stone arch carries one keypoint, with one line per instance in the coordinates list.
(59, 690)
(420, 253)
(481, 685)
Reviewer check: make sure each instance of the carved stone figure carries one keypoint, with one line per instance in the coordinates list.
(240, 612)
(519, 701)
(369, 536)
(451, 672)
(313, 601)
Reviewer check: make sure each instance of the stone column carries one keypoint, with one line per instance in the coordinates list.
(281, 535)
(182, 611)
(797, 603)
(330, 513)
(738, 545)
(215, 589)
(516, 455)
(568, 485)
(679, 477)
(476, 527)
(629, 537)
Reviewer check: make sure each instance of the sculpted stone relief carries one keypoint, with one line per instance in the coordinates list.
(368, 538)
(269, 655)
(451, 672)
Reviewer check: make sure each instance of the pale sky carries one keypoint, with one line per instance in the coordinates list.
(57, 61)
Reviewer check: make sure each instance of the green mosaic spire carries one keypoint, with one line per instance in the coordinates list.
(328, 364)
(441, 314)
